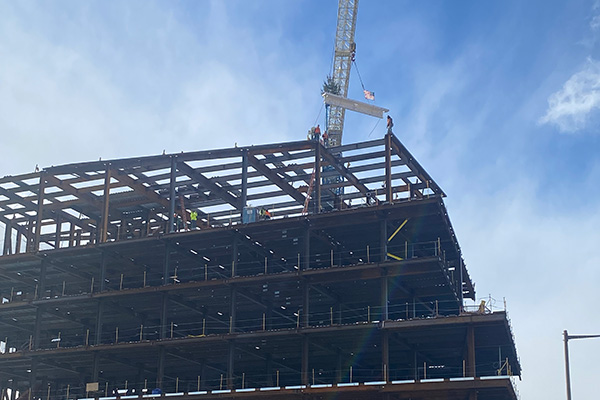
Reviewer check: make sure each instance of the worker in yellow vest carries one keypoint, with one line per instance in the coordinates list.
(194, 218)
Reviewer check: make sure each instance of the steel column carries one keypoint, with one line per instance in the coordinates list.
(163, 315)
(39, 214)
(385, 355)
(166, 262)
(388, 168)
(461, 293)
(99, 319)
(244, 178)
(58, 231)
(37, 328)
(306, 249)
(172, 183)
(103, 258)
(29, 237)
(7, 249)
(304, 371)
(269, 368)
(338, 369)
(306, 304)
(18, 241)
(33, 378)
(95, 366)
(383, 240)
(231, 365)
(71, 235)
(317, 183)
(234, 256)
(471, 370)
(416, 365)
(160, 370)
(105, 205)
(42, 279)
(232, 309)
(384, 298)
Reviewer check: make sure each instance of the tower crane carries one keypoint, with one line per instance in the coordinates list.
(335, 94)
(345, 49)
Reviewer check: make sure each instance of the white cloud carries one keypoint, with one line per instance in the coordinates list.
(546, 265)
(79, 91)
(571, 107)
(595, 22)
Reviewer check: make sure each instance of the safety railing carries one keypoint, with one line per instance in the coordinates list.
(276, 380)
(207, 269)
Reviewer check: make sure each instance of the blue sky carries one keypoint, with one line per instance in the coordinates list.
(498, 100)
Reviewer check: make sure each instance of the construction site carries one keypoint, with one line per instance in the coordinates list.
(310, 269)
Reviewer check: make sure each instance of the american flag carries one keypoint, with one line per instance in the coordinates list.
(369, 95)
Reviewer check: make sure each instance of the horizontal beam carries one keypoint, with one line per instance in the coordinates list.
(354, 105)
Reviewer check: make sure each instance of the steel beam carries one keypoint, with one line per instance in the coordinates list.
(342, 170)
(211, 185)
(276, 179)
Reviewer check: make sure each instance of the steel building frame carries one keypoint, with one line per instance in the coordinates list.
(105, 281)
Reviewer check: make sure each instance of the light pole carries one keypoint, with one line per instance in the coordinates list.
(566, 338)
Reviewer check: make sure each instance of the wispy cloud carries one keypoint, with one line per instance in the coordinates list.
(546, 266)
(595, 22)
(571, 108)
(77, 90)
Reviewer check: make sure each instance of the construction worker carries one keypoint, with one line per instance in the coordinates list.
(194, 218)
(177, 221)
(317, 132)
(263, 213)
(390, 124)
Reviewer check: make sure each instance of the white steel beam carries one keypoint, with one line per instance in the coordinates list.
(354, 105)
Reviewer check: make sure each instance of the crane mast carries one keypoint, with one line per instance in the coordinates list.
(345, 48)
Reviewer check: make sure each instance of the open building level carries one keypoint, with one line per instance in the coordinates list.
(310, 272)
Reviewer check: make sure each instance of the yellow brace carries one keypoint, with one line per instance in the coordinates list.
(398, 230)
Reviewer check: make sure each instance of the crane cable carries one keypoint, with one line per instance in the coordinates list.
(359, 77)
(331, 69)
(320, 110)
(364, 90)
